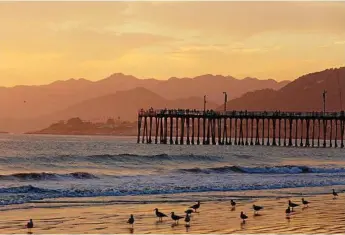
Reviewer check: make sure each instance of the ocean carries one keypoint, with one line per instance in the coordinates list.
(38, 168)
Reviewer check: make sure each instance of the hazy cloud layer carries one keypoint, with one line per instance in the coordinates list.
(45, 41)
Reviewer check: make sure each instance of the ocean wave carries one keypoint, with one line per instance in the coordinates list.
(263, 170)
(29, 193)
(110, 159)
(26, 189)
(47, 176)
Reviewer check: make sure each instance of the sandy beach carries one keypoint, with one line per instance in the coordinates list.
(324, 215)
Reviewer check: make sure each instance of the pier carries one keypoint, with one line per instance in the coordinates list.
(190, 127)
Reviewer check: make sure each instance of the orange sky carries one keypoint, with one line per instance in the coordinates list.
(45, 41)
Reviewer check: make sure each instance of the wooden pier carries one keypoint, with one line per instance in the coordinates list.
(302, 129)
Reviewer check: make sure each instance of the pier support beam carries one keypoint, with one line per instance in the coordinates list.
(290, 135)
(171, 130)
(198, 140)
(139, 128)
(177, 130)
(257, 136)
(307, 144)
(274, 143)
(193, 122)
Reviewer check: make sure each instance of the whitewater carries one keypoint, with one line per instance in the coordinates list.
(37, 168)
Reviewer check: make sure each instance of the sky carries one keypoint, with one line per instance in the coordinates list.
(41, 42)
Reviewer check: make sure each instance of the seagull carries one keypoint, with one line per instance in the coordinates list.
(243, 217)
(196, 206)
(187, 219)
(257, 209)
(233, 203)
(287, 212)
(160, 215)
(176, 218)
(131, 220)
(30, 225)
(305, 203)
(292, 205)
(335, 194)
(189, 211)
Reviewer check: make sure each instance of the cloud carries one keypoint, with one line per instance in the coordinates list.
(237, 19)
(339, 43)
(56, 40)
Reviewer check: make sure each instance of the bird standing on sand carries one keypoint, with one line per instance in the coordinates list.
(257, 209)
(287, 212)
(292, 205)
(160, 215)
(233, 203)
(131, 220)
(335, 194)
(189, 211)
(305, 203)
(243, 217)
(187, 220)
(176, 218)
(196, 206)
(30, 225)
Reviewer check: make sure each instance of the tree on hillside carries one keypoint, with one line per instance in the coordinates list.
(110, 121)
(75, 121)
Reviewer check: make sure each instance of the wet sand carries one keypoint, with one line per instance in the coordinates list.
(324, 215)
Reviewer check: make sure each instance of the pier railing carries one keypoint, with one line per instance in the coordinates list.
(155, 112)
(175, 126)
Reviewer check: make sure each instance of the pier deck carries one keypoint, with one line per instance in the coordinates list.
(303, 129)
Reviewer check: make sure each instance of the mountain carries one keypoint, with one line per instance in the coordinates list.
(126, 104)
(122, 104)
(213, 86)
(30, 102)
(303, 94)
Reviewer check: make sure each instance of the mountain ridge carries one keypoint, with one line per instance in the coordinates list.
(36, 101)
(302, 94)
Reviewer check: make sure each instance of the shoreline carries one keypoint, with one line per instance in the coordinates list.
(215, 216)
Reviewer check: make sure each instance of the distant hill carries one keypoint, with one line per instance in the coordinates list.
(34, 101)
(122, 104)
(213, 86)
(76, 126)
(303, 94)
(125, 104)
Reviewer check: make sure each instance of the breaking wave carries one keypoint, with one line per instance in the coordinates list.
(48, 176)
(29, 193)
(111, 159)
(264, 170)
